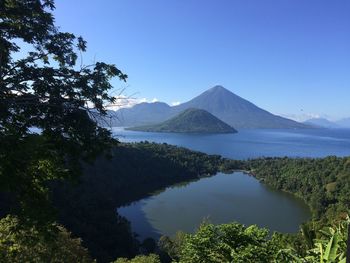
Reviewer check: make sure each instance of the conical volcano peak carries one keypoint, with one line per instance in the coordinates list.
(218, 101)
(218, 88)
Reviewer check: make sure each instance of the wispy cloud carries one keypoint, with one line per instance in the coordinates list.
(175, 103)
(128, 102)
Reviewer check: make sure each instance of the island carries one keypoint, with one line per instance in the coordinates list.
(189, 121)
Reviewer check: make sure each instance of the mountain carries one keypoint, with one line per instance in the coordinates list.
(345, 123)
(142, 114)
(321, 122)
(189, 121)
(237, 111)
(222, 103)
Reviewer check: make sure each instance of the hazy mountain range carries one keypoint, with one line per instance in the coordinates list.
(189, 121)
(324, 123)
(222, 103)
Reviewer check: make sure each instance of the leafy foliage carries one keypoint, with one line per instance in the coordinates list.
(330, 247)
(234, 242)
(22, 243)
(231, 242)
(152, 258)
(172, 246)
(45, 88)
(227, 243)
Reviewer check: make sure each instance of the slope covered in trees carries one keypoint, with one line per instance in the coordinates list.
(132, 171)
(46, 88)
(323, 183)
(189, 121)
(146, 167)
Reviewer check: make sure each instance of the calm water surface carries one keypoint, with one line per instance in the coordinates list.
(221, 199)
(236, 197)
(254, 143)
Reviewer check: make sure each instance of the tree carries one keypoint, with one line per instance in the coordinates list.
(231, 242)
(21, 243)
(46, 89)
(152, 258)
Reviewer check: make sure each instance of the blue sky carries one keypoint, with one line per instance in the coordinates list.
(286, 56)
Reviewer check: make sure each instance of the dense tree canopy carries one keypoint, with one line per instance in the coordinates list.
(22, 243)
(323, 183)
(234, 242)
(42, 85)
(134, 171)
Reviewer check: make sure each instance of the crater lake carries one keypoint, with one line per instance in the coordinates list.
(224, 198)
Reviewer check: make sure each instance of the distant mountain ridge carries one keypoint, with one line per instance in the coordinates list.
(143, 114)
(345, 123)
(324, 123)
(222, 103)
(321, 122)
(189, 121)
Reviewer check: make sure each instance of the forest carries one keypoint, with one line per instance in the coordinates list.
(131, 172)
(59, 188)
(323, 184)
(87, 208)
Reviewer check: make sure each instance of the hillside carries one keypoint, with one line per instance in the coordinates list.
(222, 103)
(190, 121)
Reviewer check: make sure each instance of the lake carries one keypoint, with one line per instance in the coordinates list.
(222, 198)
(254, 143)
(235, 197)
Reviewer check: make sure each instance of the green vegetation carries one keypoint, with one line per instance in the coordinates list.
(132, 172)
(152, 258)
(43, 86)
(227, 243)
(43, 197)
(234, 242)
(321, 240)
(323, 183)
(189, 121)
(28, 243)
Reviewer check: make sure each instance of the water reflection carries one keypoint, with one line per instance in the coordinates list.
(222, 198)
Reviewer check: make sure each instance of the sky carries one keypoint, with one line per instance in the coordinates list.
(290, 57)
